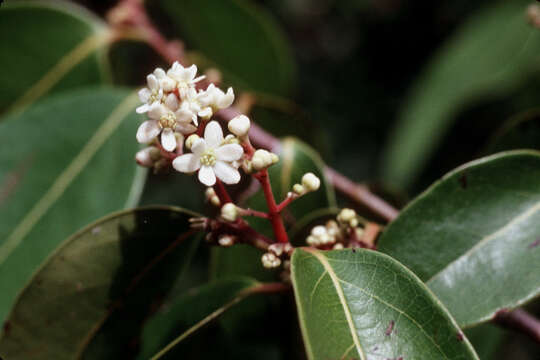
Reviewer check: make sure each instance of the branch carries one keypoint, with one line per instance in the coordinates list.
(521, 321)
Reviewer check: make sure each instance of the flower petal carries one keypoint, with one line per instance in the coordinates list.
(144, 95)
(206, 113)
(207, 176)
(226, 173)
(198, 147)
(229, 152)
(185, 128)
(190, 72)
(148, 131)
(168, 141)
(226, 100)
(159, 73)
(142, 109)
(156, 111)
(213, 134)
(171, 101)
(186, 163)
(152, 81)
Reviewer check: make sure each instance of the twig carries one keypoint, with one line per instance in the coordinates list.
(521, 321)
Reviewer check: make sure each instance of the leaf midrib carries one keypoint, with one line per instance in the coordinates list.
(335, 281)
(523, 216)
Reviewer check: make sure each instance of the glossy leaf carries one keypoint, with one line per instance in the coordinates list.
(365, 305)
(238, 38)
(35, 62)
(474, 236)
(186, 315)
(491, 54)
(65, 162)
(109, 274)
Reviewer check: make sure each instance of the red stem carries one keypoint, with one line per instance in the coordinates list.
(222, 193)
(273, 211)
(289, 199)
(520, 320)
(251, 212)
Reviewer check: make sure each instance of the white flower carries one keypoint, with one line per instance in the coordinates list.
(211, 158)
(165, 121)
(151, 94)
(184, 77)
(216, 98)
(165, 82)
(192, 106)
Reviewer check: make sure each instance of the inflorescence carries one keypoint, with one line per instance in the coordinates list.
(181, 134)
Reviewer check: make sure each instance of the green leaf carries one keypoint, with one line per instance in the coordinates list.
(239, 38)
(48, 47)
(361, 304)
(474, 236)
(522, 131)
(69, 161)
(108, 275)
(184, 316)
(493, 53)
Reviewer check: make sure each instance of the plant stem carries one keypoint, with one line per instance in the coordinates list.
(273, 211)
(289, 199)
(222, 193)
(521, 321)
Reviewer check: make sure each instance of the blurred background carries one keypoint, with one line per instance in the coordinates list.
(392, 93)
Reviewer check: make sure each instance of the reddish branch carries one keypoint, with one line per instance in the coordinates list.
(273, 211)
(520, 320)
(130, 15)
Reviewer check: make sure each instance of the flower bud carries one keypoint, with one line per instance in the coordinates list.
(311, 182)
(206, 113)
(348, 217)
(209, 193)
(231, 139)
(261, 160)
(226, 240)
(191, 140)
(214, 200)
(229, 212)
(270, 261)
(298, 189)
(239, 125)
(148, 156)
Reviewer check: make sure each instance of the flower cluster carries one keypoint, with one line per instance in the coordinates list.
(177, 109)
(344, 232)
(180, 133)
